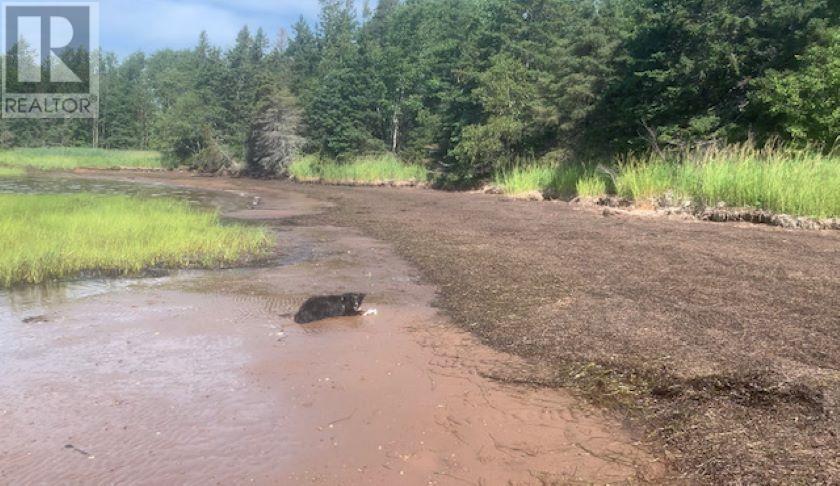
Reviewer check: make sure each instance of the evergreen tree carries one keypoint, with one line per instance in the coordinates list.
(688, 67)
(127, 113)
(275, 137)
(336, 110)
(475, 85)
(304, 56)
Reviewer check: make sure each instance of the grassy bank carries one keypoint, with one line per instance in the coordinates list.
(363, 170)
(55, 236)
(75, 158)
(551, 181)
(11, 172)
(800, 183)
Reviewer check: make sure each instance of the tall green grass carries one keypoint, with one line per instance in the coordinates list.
(797, 182)
(365, 170)
(641, 181)
(56, 236)
(594, 185)
(59, 158)
(11, 172)
(551, 181)
(306, 168)
(523, 180)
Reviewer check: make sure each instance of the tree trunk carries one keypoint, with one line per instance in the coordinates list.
(396, 134)
(95, 123)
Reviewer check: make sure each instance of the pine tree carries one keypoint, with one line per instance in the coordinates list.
(337, 108)
(304, 56)
(274, 137)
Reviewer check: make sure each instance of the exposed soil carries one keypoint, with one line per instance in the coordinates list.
(722, 341)
(669, 207)
(195, 378)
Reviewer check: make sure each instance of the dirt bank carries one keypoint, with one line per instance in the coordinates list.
(721, 340)
(196, 378)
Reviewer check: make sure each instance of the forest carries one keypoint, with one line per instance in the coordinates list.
(471, 88)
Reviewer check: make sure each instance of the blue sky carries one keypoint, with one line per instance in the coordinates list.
(149, 25)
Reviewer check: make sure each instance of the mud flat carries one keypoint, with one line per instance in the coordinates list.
(201, 377)
(720, 341)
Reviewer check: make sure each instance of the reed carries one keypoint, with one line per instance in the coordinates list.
(797, 182)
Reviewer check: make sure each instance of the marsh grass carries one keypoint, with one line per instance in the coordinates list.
(75, 158)
(551, 181)
(523, 180)
(58, 236)
(796, 182)
(378, 169)
(594, 185)
(641, 181)
(306, 168)
(12, 172)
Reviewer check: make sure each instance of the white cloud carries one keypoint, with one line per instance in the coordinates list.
(287, 8)
(154, 24)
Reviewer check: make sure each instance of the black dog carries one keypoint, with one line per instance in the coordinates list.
(319, 308)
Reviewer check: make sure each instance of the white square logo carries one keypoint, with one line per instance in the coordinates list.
(51, 52)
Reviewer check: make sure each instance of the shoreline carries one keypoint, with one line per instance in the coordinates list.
(174, 371)
(605, 305)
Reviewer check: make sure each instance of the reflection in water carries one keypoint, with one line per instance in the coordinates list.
(30, 301)
(66, 185)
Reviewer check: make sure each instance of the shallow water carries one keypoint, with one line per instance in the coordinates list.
(202, 377)
(49, 184)
(34, 184)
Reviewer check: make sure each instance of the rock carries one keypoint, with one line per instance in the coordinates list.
(831, 223)
(613, 202)
(723, 215)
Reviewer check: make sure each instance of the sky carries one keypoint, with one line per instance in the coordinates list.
(149, 25)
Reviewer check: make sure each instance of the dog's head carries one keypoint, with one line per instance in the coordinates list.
(353, 302)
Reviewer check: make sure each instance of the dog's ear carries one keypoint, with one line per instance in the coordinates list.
(357, 301)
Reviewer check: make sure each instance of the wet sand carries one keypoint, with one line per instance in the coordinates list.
(202, 377)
